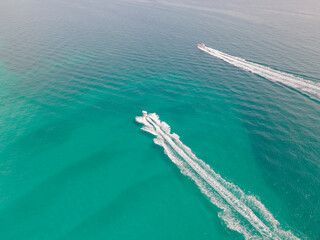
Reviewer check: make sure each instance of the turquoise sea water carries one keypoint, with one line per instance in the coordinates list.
(74, 74)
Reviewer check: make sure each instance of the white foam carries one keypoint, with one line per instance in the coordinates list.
(238, 209)
(309, 88)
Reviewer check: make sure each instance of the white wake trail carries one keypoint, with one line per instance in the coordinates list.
(238, 209)
(309, 88)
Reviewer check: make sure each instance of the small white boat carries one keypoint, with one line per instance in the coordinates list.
(201, 46)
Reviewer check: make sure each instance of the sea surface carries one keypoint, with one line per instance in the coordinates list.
(74, 163)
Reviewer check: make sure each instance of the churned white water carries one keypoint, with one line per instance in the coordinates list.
(309, 88)
(241, 212)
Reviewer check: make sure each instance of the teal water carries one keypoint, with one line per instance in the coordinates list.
(74, 164)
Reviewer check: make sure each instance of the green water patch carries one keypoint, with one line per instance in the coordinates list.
(285, 148)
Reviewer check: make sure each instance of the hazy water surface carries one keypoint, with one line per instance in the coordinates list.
(74, 164)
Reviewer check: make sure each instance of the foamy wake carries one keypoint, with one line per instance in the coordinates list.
(240, 212)
(306, 87)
